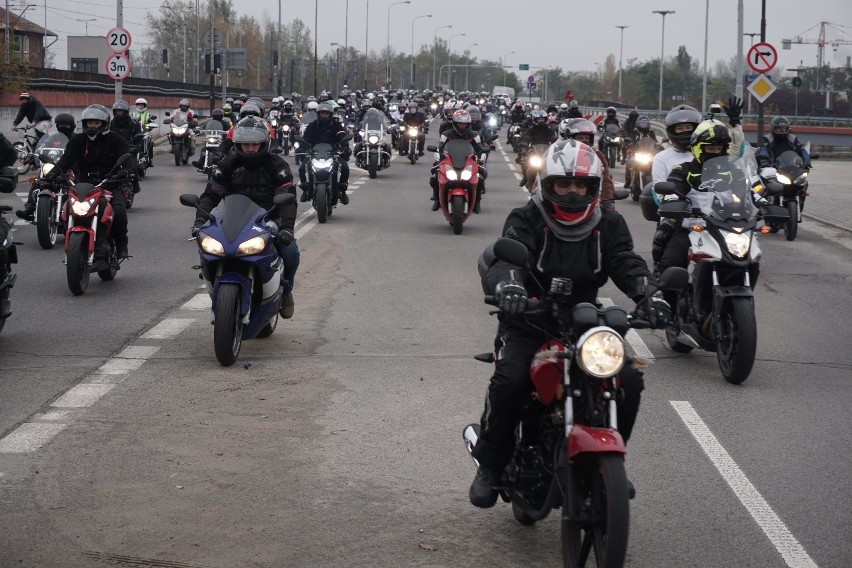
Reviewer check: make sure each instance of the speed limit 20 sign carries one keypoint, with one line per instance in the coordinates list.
(118, 40)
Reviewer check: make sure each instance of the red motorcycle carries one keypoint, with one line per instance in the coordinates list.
(568, 452)
(88, 246)
(458, 182)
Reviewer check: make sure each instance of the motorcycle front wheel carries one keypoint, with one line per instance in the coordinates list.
(373, 166)
(457, 206)
(177, 152)
(227, 327)
(321, 202)
(77, 263)
(792, 228)
(601, 499)
(737, 339)
(612, 156)
(46, 226)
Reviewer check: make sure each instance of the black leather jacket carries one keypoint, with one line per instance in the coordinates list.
(94, 158)
(33, 111)
(125, 127)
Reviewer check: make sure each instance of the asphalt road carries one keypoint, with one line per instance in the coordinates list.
(337, 441)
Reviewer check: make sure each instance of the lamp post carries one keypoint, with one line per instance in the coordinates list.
(663, 13)
(87, 20)
(450, 53)
(467, 69)
(620, 52)
(503, 65)
(706, 36)
(316, 36)
(434, 53)
(388, 72)
(337, 47)
(411, 84)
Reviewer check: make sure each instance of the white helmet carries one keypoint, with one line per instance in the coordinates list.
(141, 101)
(312, 106)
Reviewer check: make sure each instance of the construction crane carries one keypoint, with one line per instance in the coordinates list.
(820, 43)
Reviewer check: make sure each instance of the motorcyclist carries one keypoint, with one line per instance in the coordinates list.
(539, 132)
(124, 125)
(218, 121)
(583, 130)
(518, 114)
(32, 109)
(413, 117)
(570, 236)
(253, 171)
(610, 118)
(327, 129)
(143, 117)
(640, 128)
(780, 140)
(574, 110)
(92, 154)
(65, 124)
(461, 131)
(629, 128)
(562, 113)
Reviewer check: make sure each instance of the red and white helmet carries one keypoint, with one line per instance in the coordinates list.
(569, 160)
(461, 122)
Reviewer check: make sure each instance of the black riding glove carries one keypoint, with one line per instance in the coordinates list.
(284, 237)
(657, 311)
(511, 296)
(196, 227)
(734, 110)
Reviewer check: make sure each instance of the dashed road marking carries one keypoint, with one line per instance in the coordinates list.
(82, 395)
(633, 338)
(29, 437)
(198, 302)
(168, 328)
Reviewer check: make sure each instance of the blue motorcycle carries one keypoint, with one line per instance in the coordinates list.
(242, 271)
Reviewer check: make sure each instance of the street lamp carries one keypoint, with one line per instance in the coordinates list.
(366, 39)
(467, 69)
(706, 36)
(412, 46)
(620, 52)
(503, 65)
(434, 53)
(663, 13)
(388, 75)
(337, 67)
(450, 53)
(87, 20)
(316, 39)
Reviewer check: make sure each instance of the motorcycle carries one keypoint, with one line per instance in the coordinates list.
(181, 137)
(458, 182)
(24, 149)
(214, 133)
(285, 135)
(408, 145)
(716, 312)
(514, 137)
(568, 452)
(241, 270)
(323, 169)
(88, 217)
(8, 249)
(611, 144)
(50, 200)
(640, 158)
(790, 172)
(370, 153)
(534, 158)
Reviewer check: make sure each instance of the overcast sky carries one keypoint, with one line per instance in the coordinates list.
(542, 32)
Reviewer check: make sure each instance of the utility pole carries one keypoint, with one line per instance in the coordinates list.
(762, 39)
(620, 53)
(119, 22)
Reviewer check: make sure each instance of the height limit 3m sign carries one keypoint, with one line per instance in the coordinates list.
(117, 66)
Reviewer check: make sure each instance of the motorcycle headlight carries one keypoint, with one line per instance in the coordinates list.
(452, 174)
(255, 245)
(433, 106)
(492, 122)
(321, 163)
(738, 243)
(373, 139)
(214, 140)
(274, 123)
(82, 207)
(600, 352)
(535, 162)
(412, 132)
(211, 245)
(46, 168)
(642, 158)
(467, 173)
(783, 179)
(286, 127)
(617, 140)
(179, 130)
(801, 179)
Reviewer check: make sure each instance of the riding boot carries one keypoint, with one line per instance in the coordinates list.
(341, 189)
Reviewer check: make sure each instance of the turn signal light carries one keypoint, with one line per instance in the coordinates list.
(766, 229)
(697, 228)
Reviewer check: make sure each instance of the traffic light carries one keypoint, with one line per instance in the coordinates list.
(166, 58)
(217, 63)
(275, 58)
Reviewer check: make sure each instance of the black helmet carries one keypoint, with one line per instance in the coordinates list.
(243, 97)
(780, 126)
(65, 123)
(258, 103)
(610, 112)
(324, 107)
(681, 114)
(634, 114)
(99, 113)
(709, 133)
(121, 109)
(643, 124)
(251, 130)
(539, 117)
(249, 110)
(218, 114)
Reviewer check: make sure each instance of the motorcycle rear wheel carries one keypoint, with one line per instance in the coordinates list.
(321, 202)
(737, 340)
(227, 327)
(602, 497)
(457, 205)
(792, 228)
(46, 226)
(77, 263)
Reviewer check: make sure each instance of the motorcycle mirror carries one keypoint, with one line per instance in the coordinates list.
(346, 138)
(432, 148)
(153, 117)
(511, 251)
(189, 199)
(673, 278)
(167, 120)
(621, 194)
(665, 188)
(168, 113)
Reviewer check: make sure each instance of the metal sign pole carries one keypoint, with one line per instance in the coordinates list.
(762, 39)
(119, 22)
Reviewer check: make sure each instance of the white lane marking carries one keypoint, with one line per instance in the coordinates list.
(639, 347)
(53, 415)
(29, 437)
(22, 222)
(82, 395)
(513, 167)
(138, 351)
(119, 366)
(198, 302)
(307, 227)
(168, 328)
(785, 543)
(22, 194)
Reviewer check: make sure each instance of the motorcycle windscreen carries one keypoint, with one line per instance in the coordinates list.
(214, 125)
(646, 144)
(309, 117)
(458, 151)
(52, 145)
(612, 130)
(234, 213)
(178, 121)
(323, 151)
(725, 191)
(790, 162)
(374, 119)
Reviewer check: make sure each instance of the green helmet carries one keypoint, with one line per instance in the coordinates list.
(99, 113)
(709, 133)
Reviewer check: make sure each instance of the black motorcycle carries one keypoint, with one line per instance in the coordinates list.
(323, 169)
(792, 174)
(640, 158)
(611, 144)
